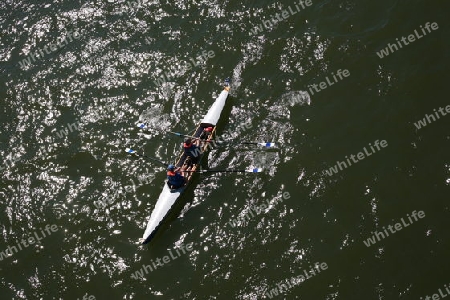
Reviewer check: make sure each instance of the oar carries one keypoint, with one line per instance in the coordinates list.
(181, 135)
(189, 136)
(131, 151)
(265, 144)
(255, 170)
(143, 125)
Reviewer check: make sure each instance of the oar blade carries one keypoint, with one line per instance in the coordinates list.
(267, 145)
(255, 170)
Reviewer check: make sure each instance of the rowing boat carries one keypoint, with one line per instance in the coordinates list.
(169, 196)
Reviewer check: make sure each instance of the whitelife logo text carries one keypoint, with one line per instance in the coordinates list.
(356, 158)
(378, 236)
(430, 118)
(290, 283)
(391, 48)
(160, 262)
(439, 296)
(278, 17)
(11, 250)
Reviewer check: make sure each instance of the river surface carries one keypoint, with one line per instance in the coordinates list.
(352, 203)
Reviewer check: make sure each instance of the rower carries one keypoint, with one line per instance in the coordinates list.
(192, 149)
(174, 178)
(206, 132)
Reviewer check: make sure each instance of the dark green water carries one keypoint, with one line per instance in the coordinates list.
(105, 80)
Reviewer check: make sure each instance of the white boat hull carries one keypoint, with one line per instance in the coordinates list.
(213, 115)
(166, 200)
